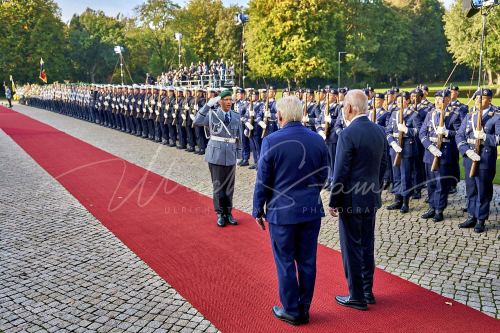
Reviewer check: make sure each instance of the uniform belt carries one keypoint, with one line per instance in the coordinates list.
(222, 139)
(396, 135)
(434, 139)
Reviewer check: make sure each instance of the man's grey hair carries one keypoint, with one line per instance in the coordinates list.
(357, 100)
(290, 108)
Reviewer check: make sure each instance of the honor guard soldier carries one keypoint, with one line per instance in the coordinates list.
(140, 108)
(477, 140)
(437, 135)
(325, 127)
(401, 135)
(201, 139)
(266, 118)
(188, 111)
(425, 101)
(309, 119)
(254, 131)
(381, 117)
(241, 107)
(462, 109)
(181, 124)
(172, 117)
(133, 109)
(421, 111)
(223, 149)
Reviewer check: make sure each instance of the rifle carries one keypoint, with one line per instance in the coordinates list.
(186, 110)
(326, 113)
(397, 159)
(195, 106)
(145, 108)
(305, 118)
(266, 117)
(374, 110)
(176, 107)
(439, 143)
(158, 108)
(152, 108)
(479, 127)
(251, 120)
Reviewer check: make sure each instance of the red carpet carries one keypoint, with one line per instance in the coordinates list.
(228, 274)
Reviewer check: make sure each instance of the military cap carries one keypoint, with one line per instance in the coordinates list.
(343, 90)
(322, 90)
(371, 89)
(380, 95)
(486, 92)
(334, 91)
(328, 87)
(455, 88)
(395, 90)
(309, 91)
(286, 90)
(424, 87)
(171, 88)
(404, 94)
(225, 93)
(442, 93)
(272, 88)
(143, 87)
(254, 92)
(366, 91)
(417, 92)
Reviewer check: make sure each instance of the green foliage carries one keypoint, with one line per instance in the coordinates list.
(32, 29)
(464, 38)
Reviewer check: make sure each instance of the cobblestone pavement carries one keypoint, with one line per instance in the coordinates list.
(455, 263)
(61, 270)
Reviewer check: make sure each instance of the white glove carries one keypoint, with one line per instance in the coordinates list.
(192, 117)
(328, 119)
(262, 124)
(267, 114)
(435, 151)
(396, 147)
(323, 135)
(479, 134)
(213, 101)
(441, 130)
(472, 155)
(305, 119)
(402, 128)
(249, 126)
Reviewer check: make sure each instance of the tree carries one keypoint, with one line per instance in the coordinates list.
(292, 40)
(464, 38)
(32, 29)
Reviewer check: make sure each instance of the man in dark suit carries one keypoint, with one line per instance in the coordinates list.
(292, 170)
(357, 183)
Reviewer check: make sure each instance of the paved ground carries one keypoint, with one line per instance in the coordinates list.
(456, 263)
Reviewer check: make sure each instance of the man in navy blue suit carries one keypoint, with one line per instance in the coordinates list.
(292, 170)
(357, 182)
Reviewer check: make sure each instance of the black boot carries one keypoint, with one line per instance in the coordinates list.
(429, 214)
(439, 216)
(416, 195)
(244, 163)
(221, 221)
(469, 223)
(405, 208)
(398, 202)
(231, 220)
(479, 228)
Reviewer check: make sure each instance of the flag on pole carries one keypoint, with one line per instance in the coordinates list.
(42, 76)
(13, 84)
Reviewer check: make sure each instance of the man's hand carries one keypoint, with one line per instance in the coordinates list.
(441, 130)
(472, 155)
(213, 101)
(479, 134)
(333, 211)
(435, 151)
(403, 128)
(397, 148)
(260, 221)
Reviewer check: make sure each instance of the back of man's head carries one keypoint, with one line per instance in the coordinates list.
(290, 109)
(357, 100)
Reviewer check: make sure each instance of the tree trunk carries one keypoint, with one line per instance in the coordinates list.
(497, 92)
(490, 77)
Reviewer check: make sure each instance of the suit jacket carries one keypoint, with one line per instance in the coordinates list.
(218, 152)
(292, 170)
(359, 168)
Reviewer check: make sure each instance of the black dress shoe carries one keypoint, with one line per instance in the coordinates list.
(405, 208)
(479, 228)
(427, 199)
(398, 202)
(469, 223)
(369, 298)
(386, 184)
(244, 163)
(221, 221)
(190, 149)
(231, 220)
(416, 195)
(438, 217)
(283, 316)
(351, 303)
(201, 152)
(465, 209)
(252, 167)
(429, 214)
(326, 186)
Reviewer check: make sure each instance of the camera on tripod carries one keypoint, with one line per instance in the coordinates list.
(472, 7)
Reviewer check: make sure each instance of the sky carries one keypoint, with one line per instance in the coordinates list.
(113, 7)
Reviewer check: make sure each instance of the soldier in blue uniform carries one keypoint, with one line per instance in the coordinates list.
(381, 118)
(402, 174)
(462, 109)
(266, 117)
(254, 131)
(241, 107)
(419, 172)
(439, 181)
(479, 188)
(309, 119)
(201, 139)
(325, 124)
(171, 117)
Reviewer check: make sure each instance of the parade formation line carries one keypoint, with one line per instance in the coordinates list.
(227, 274)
